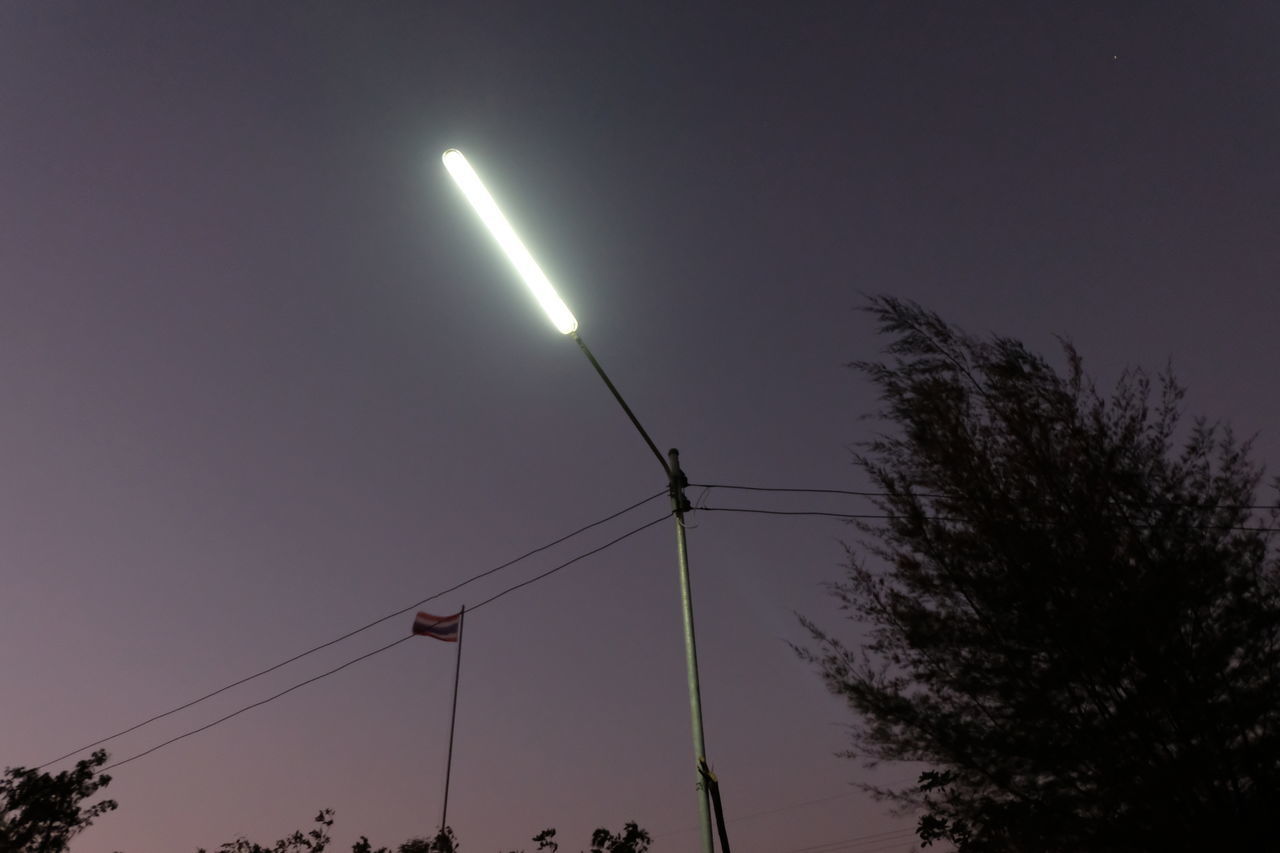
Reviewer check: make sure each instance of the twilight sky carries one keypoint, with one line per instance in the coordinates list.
(265, 378)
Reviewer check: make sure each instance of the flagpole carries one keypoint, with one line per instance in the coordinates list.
(453, 716)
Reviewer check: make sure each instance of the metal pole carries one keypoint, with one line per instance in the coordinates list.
(676, 481)
(679, 503)
(713, 788)
(582, 345)
(564, 321)
(453, 716)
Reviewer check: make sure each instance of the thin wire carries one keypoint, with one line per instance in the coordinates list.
(826, 514)
(237, 713)
(935, 496)
(390, 645)
(886, 846)
(568, 563)
(821, 513)
(892, 837)
(849, 492)
(737, 819)
(350, 634)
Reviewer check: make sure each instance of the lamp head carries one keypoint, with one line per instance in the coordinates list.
(487, 209)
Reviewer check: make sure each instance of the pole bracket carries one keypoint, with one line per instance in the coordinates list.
(677, 482)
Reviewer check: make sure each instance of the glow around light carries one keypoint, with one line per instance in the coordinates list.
(469, 182)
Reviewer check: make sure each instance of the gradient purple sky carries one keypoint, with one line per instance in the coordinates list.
(265, 378)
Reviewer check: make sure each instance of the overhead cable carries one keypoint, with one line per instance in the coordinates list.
(856, 516)
(388, 646)
(936, 496)
(350, 634)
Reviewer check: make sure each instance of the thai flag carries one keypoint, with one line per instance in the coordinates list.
(441, 627)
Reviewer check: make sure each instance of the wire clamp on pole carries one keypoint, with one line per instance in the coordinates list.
(677, 483)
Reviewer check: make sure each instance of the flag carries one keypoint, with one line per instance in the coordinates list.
(441, 627)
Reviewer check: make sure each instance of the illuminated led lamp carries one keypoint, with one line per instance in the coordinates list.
(469, 182)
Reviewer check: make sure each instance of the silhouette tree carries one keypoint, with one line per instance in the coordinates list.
(632, 839)
(546, 840)
(40, 813)
(443, 841)
(1069, 616)
(314, 841)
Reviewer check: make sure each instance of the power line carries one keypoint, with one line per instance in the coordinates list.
(887, 845)
(858, 842)
(891, 837)
(849, 492)
(936, 496)
(570, 562)
(804, 512)
(390, 645)
(855, 515)
(240, 711)
(737, 819)
(743, 818)
(350, 634)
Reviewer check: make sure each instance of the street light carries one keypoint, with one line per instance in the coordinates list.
(562, 318)
(467, 179)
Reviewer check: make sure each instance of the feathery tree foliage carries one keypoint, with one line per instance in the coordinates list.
(1073, 616)
(41, 812)
(632, 839)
